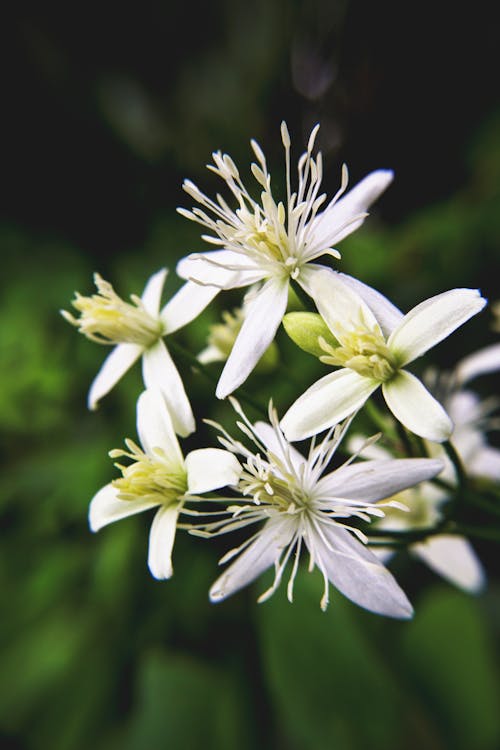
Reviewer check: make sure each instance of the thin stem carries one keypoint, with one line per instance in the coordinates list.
(303, 297)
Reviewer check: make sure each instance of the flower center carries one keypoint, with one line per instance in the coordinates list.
(362, 350)
(148, 478)
(282, 493)
(223, 335)
(107, 319)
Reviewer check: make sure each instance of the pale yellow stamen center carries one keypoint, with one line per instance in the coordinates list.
(107, 319)
(362, 350)
(284, 495)
(149, 478)
(223, 335)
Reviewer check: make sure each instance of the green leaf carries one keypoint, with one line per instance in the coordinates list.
(449, 655)
(330, 687)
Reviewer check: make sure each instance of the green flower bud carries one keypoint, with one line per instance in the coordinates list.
(305, 329)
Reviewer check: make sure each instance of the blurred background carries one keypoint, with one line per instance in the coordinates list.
(105, 110)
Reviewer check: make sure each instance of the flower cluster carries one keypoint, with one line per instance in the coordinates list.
(346, 515)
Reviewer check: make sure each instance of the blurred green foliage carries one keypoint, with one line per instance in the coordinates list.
(94, 653)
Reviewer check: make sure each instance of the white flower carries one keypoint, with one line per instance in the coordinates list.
(270, 242)
(369, 360)
(137, 330)
(472, 416)
(449, 555)
(159, 477)
(303, 507)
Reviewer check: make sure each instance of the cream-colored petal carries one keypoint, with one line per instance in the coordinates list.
(327, 402)
(481, 362)
(453, 558)
(211, 468)
(186, 305)
(106, 507)
(388, 315)
(371, 481)
(259, 555)
(155, 428)
(262, 318)
(160, 372)
(432, 321)
(114, 367)
(223, 269)
(411, 403)
(151, 296)
(336, 221)
(340, 306)
(357, 573)
(485, 463)
(161, 541)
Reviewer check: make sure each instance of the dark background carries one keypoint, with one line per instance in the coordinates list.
(105, 110)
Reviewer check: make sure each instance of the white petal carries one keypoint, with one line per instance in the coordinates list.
(340, 306)
(105, 507)
(211, 354)
(485, 463)
(161, 541)
(151, 296)
(371, 481)
(412, 404)
(114, 367)
(358, 574)
(327, 402)
(432, 321)
(283, 451)
(155, 428)
(453, 558)
(480, 363)
(211, 468)
(330, 225)
(224, 269)
(263, 316)
(186, 305)
(260, 555)
(159, 371)
(388, 315)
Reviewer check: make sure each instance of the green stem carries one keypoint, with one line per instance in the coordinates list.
(303, 297)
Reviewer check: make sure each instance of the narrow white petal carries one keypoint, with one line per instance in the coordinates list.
(262, 318)
(105, 507)
(290, 454)
(485, 463)
(260, 555)
(151, 296)
(480, 363)
(371, 481)
(161, 541)
(358, 574)
(211, 468)
(186, 305)
(432, 321)
(411, 403)
(159, 371)
(114, 367)
(224, 269)
(341, 307)
(330, 225)
(327, 402)
(211, 354)
(453, 558)
(388, 315)
(155, 428)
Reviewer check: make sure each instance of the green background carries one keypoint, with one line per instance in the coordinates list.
(105, 111)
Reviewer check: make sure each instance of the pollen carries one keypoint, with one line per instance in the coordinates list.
(107, 319)
(363, 350)
(148, 478)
